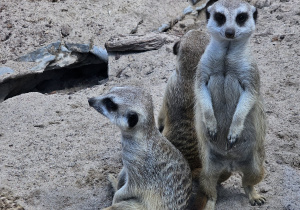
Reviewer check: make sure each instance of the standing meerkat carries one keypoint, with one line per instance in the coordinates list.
(229, 113)
(176, 117)
(155, 174)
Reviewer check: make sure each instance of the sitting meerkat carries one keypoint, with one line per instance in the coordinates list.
(155, 174)
(229, 113)
(176, 117)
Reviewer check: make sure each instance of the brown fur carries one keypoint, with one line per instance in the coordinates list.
(176, 117)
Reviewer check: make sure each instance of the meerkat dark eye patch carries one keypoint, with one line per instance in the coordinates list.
(110, 105)
(132, 119)
(241, 18)
(220, 18)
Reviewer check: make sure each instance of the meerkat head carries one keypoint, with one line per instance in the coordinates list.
(231, 19)
(127, 107)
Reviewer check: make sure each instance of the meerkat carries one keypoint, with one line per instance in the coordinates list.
(176, 116)
(155, 174)
(229, 113)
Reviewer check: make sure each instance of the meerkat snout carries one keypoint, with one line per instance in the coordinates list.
(229, 33)
(91, 101)
(105, 103)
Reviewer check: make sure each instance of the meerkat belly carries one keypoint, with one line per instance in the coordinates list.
(225, 93)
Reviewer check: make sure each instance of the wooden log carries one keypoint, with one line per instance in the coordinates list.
(146, 42)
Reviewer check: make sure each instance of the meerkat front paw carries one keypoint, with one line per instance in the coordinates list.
(234, 134)
(211, 126)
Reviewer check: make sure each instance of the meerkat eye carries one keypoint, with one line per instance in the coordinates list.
(220, 18)
(132, 119)
(110, 105)
(241, 18)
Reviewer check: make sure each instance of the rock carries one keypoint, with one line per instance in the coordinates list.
(43, 63)
(187, 23)
(40, 53)
(202, 6)
(6, 70)
(57, 55)
(188, 10)
(65, 30)
(194, 1)
(56, 63)
(100, 53)
(265, 188)
(81, 48)
(164, 27)
(279, 17)
(4, 36)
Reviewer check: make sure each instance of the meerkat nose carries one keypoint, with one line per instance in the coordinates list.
(230, 33)
(91, 101)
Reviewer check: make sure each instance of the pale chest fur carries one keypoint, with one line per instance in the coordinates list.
(227, 67)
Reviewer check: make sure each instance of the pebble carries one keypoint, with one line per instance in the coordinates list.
(65, 30)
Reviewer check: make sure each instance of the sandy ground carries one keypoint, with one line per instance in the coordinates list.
(56, 151)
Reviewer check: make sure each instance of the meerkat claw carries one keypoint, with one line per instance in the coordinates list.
(212, 134)
(260, 201)
(231, 142)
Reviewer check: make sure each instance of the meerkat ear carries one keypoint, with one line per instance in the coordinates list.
(176, 48)
(254, 10)
(207, 12)
(132, 119)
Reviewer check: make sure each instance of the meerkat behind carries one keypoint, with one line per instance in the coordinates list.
(155, 174)
(176, 117)
(229, 113)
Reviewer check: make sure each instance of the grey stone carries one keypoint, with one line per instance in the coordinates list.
(43, 63)
(164, 27)
(194, 1)
(6, 70)
(57, 55)
(38, 55)
(65, 30)
(100, 53)
(81, 48)
(188, 10)
(202, 6)
(64, 49)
